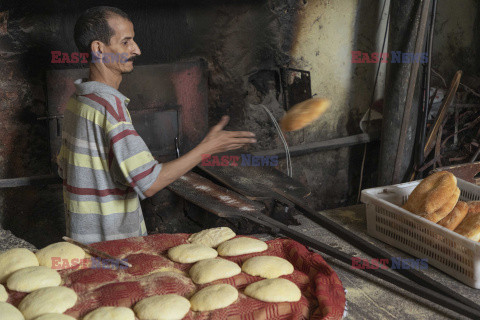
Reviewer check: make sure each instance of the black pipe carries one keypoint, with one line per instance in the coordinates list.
(403, 32)
(426, 100)
(30, 181)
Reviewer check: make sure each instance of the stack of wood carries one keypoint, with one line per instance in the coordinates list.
(453, 137)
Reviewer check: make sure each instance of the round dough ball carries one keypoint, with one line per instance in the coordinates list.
(212, 237)
(15, 259)
(3, 294)
(117, 313)
(209, 270)
(60, 250)
(164, 307)
(47, 300)
(191, 252)
(54, 316)
(214, 297)
(33, 278)
(239, 246)
(267, 267)
(9, 312)
(274, 290)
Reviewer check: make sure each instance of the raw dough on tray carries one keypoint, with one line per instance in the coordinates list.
(3, 294)
(54, 316)
(214, 297)
(274, 290)
(60, 250)
(164, 307)
(114, 313)
(47, 300)
(209, 270)
(9, 312)
(191, 252)
(33, 278)
(242, 245)
(267, 267)
(15, 259)
(212, 237)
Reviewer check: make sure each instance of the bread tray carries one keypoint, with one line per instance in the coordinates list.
(446, 250)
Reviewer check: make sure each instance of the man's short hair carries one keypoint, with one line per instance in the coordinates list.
(93, 25)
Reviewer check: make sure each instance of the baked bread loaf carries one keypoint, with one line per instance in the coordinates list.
(470, 226)
(454, 218)
(432, 194)
(474, 206)
(441, 213)
(304, 113)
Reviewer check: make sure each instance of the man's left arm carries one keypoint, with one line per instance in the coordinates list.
(129, 159)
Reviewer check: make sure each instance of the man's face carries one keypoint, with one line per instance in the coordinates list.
(122, 50)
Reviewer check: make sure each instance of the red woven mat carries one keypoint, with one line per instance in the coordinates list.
(153, 273)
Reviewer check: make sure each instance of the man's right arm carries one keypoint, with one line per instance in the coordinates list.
(216, 141)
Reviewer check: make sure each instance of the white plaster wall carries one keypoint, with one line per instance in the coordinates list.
(327, 33)
(323, 46)
(454, 36)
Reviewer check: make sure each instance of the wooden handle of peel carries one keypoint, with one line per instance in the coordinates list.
(96, 252)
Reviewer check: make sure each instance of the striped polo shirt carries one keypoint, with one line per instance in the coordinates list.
(105, 166)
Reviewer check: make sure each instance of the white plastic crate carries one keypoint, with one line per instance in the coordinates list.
(444, 249)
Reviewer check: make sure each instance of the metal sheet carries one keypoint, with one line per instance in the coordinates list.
(158, 129)
(256, 182)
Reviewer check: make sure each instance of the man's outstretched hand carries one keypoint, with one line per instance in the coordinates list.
(218, 140)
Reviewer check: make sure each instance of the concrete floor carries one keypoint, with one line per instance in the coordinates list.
(372, 298)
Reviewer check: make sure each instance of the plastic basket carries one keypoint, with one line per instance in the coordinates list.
(448, 251)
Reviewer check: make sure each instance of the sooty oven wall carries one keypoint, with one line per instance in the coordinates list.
(241, 42)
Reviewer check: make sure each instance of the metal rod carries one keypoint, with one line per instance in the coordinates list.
(321, 145)
(96, 252)
(425, 111)
(474, 157)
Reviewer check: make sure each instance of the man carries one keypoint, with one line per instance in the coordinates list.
(104, 164)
